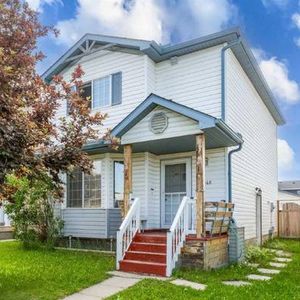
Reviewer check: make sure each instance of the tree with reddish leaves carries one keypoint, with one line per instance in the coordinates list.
(31, 143)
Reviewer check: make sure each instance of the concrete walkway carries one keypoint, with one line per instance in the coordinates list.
(119, 282)
(104, 289)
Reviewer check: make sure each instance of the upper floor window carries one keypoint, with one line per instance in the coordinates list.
(84, 190)
(101, 92)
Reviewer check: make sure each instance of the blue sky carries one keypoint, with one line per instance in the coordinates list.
(272, 28)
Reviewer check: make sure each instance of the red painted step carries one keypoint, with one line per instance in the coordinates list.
(143, 267)
(148, 247)
(146, 256)
(150, 238)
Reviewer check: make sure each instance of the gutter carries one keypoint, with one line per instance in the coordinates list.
(223, 107)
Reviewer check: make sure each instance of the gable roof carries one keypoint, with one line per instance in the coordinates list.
(160, 53)
(215, 128)
(218, 134)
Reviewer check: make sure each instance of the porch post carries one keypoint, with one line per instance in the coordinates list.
(127, 177)
(200, 179)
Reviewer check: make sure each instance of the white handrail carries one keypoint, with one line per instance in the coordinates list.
(128, 229)
(192, 216)
(176, 235)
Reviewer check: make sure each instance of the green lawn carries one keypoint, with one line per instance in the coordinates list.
(285, 285)
(42, 274)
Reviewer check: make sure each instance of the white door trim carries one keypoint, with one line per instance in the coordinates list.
(163, 163)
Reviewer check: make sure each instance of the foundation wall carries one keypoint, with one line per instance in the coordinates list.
(208, 253)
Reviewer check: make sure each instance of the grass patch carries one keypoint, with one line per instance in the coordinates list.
(43, 274)
(282, 286)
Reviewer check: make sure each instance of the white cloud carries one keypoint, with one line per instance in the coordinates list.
(286, 155)
(278, 3)
(297, 41)
(147, 19)
(211, 15)
(277, 75)
(296, 20)
(143, 20)
(38, 4)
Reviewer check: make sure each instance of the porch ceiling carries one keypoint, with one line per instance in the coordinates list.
(181, 144)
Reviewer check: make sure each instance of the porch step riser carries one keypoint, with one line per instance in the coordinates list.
(144, 247)
(149, 257)
(128, 266)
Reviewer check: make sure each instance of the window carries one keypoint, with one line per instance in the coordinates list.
(86, 93)
(101, 92)
(118, 181)
(107, 90)
(84, 190)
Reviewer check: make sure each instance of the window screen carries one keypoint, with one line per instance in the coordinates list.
(101, 92)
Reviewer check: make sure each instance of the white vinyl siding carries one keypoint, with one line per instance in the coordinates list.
(178, 125)
(194, 81)
(91, 223)
(256, 165)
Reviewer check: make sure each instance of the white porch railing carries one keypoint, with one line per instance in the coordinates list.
(176, 235)
(129, 227)
(191, 215)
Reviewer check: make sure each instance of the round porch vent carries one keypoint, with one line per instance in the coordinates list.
(158, 122)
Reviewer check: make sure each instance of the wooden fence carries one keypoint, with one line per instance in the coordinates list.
(289, 219)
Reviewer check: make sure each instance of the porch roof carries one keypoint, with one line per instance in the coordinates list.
(218, 133)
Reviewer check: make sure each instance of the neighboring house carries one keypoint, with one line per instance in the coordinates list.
(289, 191)
(158, 99)
(291, 187)
(287, 196)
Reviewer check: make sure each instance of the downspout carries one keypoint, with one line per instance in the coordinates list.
(223, 107)
(239, 148)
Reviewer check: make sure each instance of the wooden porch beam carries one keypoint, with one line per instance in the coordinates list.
(127, 177)
(200, 184)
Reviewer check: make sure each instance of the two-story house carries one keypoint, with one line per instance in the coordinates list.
(194, 119)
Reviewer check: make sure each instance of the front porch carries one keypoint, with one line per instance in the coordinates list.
(175, 141)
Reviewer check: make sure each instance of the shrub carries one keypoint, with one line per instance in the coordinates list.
(255, 254)
(32, 211)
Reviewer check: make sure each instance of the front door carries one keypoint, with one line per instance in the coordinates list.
(175, 184)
